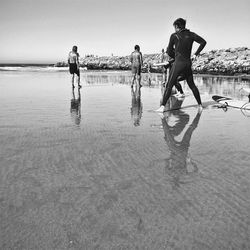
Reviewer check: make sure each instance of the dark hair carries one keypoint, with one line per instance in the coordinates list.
(74, 48)
(137, 47)
(180, 23)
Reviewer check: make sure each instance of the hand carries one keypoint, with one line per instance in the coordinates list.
(193, 57)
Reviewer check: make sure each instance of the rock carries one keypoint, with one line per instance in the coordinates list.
(224, 61)
(231, 61)
(61, 64)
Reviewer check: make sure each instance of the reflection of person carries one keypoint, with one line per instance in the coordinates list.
(74, 65)
(180, 47)
(179, 160)
(149, 73)
(136, 105)
(75, 107)
(136, 65)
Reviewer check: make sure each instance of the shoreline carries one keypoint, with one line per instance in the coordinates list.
(49, 68)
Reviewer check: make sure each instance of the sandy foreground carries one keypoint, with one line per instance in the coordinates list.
(104, 180)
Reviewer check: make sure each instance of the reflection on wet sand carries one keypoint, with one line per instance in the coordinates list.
(219, 85)
(179, 162)
(107, 184)
(100, 78)
(136, 105)
(75, 107)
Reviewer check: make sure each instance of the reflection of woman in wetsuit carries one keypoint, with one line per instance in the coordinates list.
(136, 105)
(75, 107)
(177, 163)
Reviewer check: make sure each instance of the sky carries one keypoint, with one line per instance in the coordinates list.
(44, 31)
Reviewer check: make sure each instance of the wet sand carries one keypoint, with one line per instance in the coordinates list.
(103, 172)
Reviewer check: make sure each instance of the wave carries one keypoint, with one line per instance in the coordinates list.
(33, 68)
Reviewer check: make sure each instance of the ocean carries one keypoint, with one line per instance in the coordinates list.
(31, 68)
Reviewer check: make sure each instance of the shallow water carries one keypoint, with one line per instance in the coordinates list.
(97, 169)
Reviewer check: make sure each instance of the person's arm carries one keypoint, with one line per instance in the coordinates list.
(131, 57)
(170, 48)
(77, 61)
(162, 57)
(202, 43)
(170, 60)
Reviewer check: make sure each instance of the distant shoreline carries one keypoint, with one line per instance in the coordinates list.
(27, 64)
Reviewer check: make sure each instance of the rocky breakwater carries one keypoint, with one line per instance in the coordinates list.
(113, 62)
(231, 61)
(106, 63)
(117, 63)
(225, 61)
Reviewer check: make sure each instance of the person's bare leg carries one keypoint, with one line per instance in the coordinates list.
(79, 85)
(73, 76)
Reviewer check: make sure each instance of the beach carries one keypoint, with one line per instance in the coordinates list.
(98, 169)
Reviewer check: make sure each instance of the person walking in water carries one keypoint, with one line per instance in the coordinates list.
(136, 65)
(180, 47)
(74, 65)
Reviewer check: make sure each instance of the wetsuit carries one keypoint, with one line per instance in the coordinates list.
(180, 47)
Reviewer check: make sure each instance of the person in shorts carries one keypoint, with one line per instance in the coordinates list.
(136, 65)
(74, 65)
